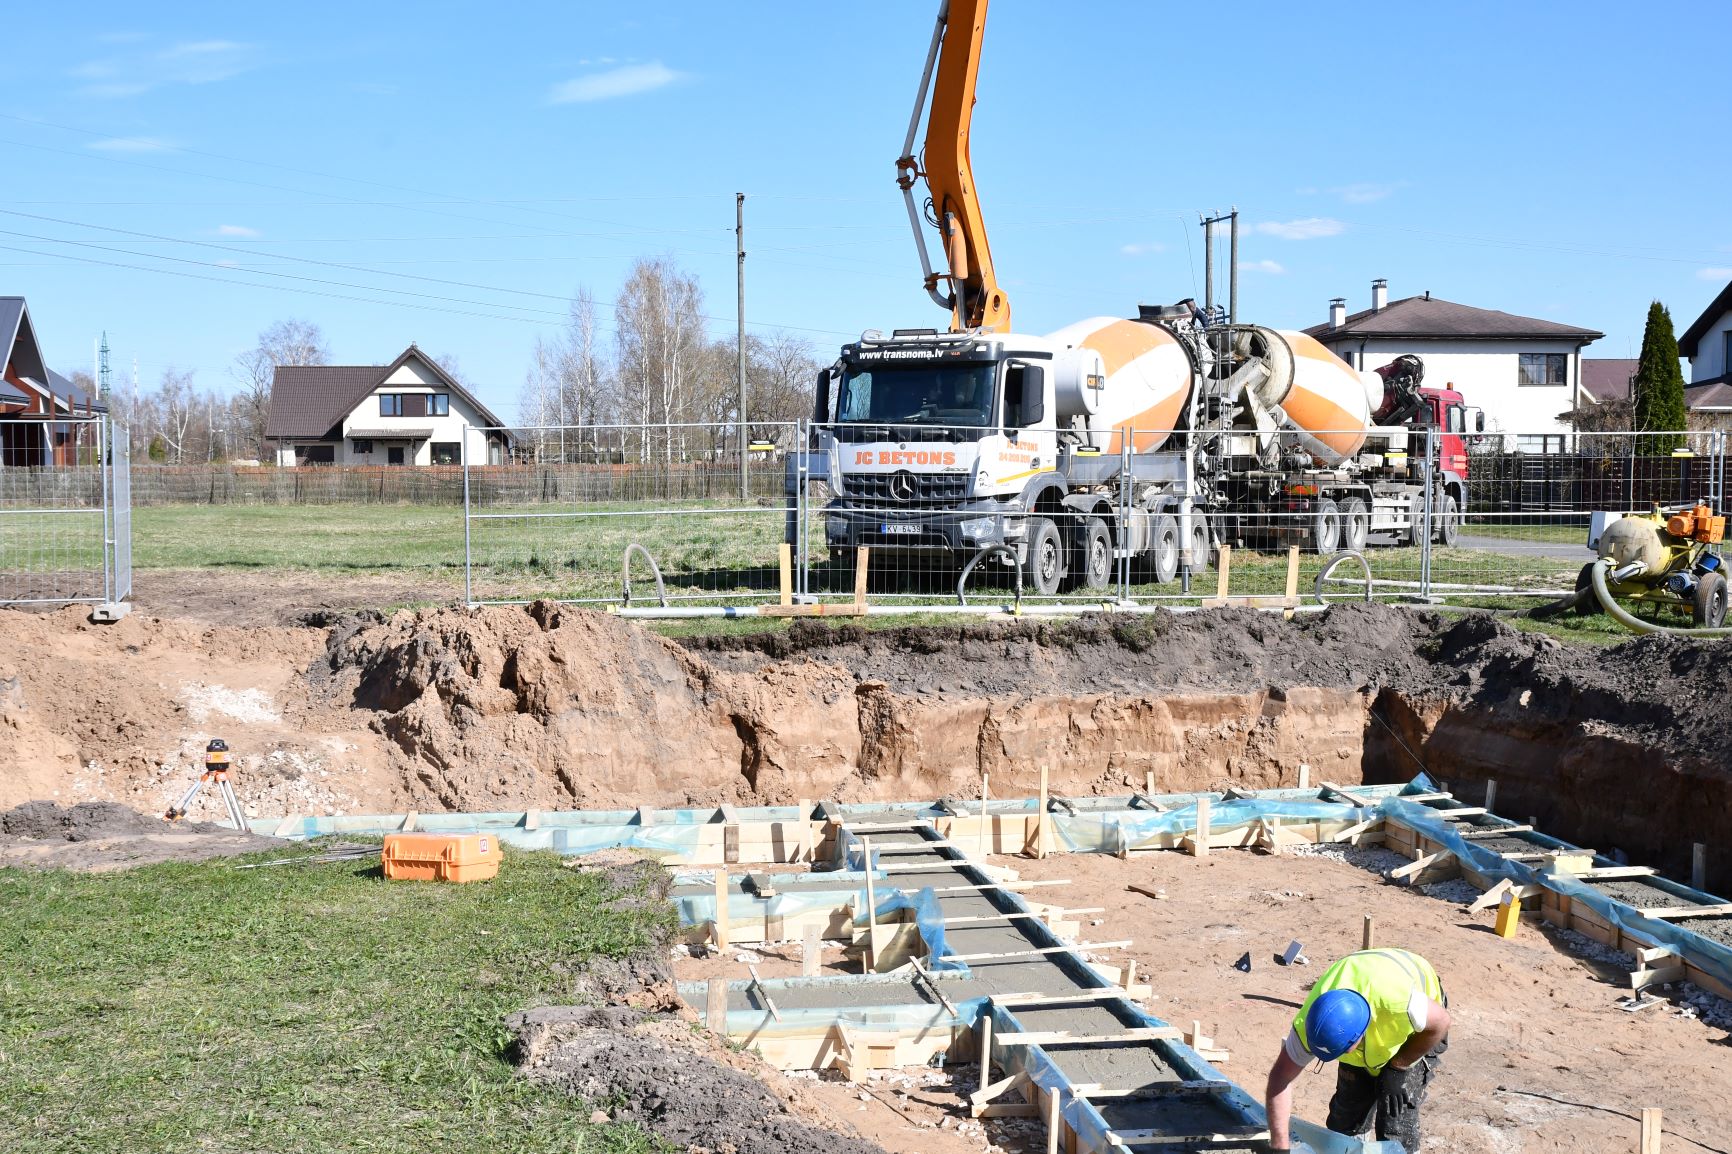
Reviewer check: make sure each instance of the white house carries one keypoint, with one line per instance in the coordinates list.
(409, 412)
(1525, 373)
(1708, 344)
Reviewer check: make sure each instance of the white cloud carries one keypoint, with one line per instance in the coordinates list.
(200, 48)
(1271, 267)
(1364, 192)
(1714, 274)
(130, 144)
(629, 80)
(1309, 228)
(239, 230)
(1143, 248)
(141, 70)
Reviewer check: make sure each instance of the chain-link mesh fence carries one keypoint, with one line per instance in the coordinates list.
(65, 517)
(931, 515)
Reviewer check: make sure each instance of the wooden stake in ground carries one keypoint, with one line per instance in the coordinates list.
(1370, 933)
(811, 950)
(1490, 795)
(871, 908)
(1651, 1130)
(1040, 823)
(985, 821)
(804, 849)
(719, 925)
(1699, 866)
(1200, 844)
(716, 1006)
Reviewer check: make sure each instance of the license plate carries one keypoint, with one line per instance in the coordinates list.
(890, 530)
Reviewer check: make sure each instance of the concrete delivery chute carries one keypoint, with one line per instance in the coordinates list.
(1202, 430)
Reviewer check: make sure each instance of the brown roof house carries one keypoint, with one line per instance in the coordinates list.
(31, 394)
(409, 412)
(1708, 345)
(1523, 371)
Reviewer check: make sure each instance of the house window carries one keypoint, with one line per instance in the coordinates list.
(315, 454)
(390, 404)
(412, 405)
(1543, 369)
(446, 453)
(363, 446)
(1347, 358)
(394, 455)
(439, 405)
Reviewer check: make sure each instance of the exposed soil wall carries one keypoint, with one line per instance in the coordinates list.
(553, 707)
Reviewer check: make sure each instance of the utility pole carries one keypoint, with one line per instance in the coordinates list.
(1209, 222)
(103, 384)
(740, 368)
(1233, 270)
(1208, 266)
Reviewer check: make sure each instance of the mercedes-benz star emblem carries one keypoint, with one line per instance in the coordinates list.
(902, 485)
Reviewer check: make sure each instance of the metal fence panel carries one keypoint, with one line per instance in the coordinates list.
(57, 530)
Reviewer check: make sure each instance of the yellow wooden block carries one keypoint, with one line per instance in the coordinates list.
(1509, 915)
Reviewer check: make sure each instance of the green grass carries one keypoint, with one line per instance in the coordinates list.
(294, 1009)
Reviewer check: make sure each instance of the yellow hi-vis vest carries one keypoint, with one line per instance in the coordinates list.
(1386, 979)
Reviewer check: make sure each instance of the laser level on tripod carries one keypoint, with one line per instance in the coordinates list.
(216, 769)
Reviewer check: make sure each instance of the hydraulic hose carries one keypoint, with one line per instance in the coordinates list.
(1629, 620)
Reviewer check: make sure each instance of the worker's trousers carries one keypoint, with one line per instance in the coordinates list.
(1390, 1099)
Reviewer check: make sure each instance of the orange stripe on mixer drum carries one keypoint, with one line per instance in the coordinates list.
(1122, 342)
(1324, 419)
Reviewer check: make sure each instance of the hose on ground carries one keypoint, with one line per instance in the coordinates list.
(1563, 605)
(1629, 620)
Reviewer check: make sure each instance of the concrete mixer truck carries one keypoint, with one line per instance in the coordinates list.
(942, 444)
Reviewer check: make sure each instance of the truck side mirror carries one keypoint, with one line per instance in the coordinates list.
(821, 399)
(1479, 421)
(1033, 395)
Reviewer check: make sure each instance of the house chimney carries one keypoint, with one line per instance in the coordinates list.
(1337, 312)
(1379, 294)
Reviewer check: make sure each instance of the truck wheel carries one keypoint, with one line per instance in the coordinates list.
(1094, 560)
(1045, 567)
(1325, 527)
(1448, 521)
(1202, 547)
(1709, 610)
(1164, 548)
(1355, 524)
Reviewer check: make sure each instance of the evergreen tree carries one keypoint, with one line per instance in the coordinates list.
(1657, 392)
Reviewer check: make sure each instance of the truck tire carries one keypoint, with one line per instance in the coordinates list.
(1163, 548)
(1045, 568)
(1202, 543)
(1448, 516)
(1355, 524)
(1093, 566)
(1325, 527)
(1709, 609)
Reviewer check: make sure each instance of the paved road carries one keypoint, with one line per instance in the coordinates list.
(1520, 548)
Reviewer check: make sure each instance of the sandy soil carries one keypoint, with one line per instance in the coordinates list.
(1533, 1016)
(101, 836)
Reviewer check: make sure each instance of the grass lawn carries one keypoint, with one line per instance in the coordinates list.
(296, 1009)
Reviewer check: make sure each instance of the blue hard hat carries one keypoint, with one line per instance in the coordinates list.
(1335, 1023)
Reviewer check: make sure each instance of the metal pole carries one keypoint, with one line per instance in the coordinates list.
(1233, 270)
(1425, 538)
(1208, 266)
(740, 368)
(468, 587)
(104, 472)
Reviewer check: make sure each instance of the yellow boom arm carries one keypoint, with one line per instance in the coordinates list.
(972, 293)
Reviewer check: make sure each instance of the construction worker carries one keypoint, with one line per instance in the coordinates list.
(1382, 1015)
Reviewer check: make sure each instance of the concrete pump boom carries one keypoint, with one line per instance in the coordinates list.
(973, 298)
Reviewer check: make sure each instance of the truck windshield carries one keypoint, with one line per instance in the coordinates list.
(958, 395)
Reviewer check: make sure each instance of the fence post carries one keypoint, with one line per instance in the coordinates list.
(1430, 520)
(104, 481)
(1124, 527)
(468, 586)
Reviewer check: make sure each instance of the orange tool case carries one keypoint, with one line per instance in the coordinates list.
(441, 857)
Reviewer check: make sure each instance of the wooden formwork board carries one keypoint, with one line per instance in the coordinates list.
(757, 843)
(834, 924)
(1005, 833)
(1250, 836)
(855, 1049)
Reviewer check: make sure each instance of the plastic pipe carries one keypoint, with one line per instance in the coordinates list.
(1629, 620)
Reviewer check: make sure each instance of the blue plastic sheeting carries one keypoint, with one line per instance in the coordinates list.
(1091, 1127)
(1711, 957)
(1121, 830)
(928, 919)
(699, 909)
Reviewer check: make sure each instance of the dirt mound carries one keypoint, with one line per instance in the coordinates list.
(103, 835)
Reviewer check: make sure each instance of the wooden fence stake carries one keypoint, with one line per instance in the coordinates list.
(1052, 1120)
(1369, 935)
(812, 950)
(1040, 822)
(1304, 776)
(1200, 844)
(716, 1006)
(1223, 563)
(986, 1048)
(1149, 783)
(785, 552)
(719, 926)
(1699, 866)
(1292, 596)
(1490, 795)
(984, 820)
(804, 849)
(871, 909)
(862, 557)
(1651, 1130)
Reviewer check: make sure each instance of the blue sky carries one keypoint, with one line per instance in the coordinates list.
(1561, 161)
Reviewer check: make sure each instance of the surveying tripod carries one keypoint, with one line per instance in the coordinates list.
(216, 768)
